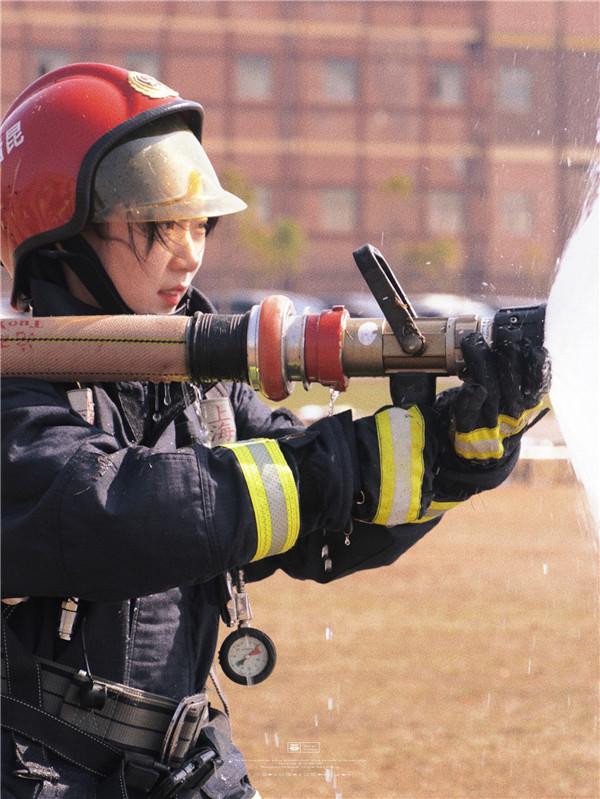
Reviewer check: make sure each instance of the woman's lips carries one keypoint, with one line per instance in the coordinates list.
(172, 295)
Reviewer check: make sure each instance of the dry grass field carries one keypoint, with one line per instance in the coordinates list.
(469, 668)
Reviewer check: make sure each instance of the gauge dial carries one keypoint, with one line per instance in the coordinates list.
(247, 656)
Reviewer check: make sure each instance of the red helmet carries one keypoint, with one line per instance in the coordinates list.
(52, 139)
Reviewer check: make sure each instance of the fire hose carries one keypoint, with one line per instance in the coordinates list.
(271, 346)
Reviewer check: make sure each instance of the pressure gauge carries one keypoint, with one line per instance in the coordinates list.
(247, 656)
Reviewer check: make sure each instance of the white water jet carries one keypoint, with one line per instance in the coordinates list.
(572, 338)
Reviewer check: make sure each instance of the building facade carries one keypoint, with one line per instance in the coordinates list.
(456, 136)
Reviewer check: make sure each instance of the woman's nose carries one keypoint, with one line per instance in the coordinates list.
(189, 252)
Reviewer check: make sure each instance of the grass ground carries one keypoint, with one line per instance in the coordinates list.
(467, 669)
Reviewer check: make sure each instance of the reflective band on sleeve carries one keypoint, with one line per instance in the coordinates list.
(435, 510)
(273, 495)
(485, 443)
(401, 437)
(481, 444)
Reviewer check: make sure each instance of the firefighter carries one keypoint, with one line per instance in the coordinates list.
(130, 510)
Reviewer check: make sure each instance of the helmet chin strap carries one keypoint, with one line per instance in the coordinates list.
(83, 260)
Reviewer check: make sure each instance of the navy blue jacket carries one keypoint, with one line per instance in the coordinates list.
(138, 519)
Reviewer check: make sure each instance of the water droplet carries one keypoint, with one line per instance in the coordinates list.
(329, 703)
(316, 720)
(529, 666)
(328, 634)
(276, 739)
(545, 568)
(333, 395)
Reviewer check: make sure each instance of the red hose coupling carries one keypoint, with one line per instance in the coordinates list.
(323, 340)
(266, 362)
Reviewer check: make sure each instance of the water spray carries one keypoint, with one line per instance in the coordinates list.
(271, 346)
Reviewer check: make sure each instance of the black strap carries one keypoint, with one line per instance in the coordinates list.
(82, 259)
(60, 737)
(22, 712)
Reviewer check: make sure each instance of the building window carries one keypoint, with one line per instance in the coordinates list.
(47, 60)
(263, 203)
(253, 77)
(339, 210)
(445, 212)
(339, 80)
(514, 89)
(448, 83)
(517, 215)
(141, 61)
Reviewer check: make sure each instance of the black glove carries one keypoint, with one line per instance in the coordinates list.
(481, 423)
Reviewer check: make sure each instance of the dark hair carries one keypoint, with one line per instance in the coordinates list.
(153, 231)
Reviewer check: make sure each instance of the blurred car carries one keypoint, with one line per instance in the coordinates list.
(364, 305)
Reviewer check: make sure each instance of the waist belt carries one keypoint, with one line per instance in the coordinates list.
(127, 718)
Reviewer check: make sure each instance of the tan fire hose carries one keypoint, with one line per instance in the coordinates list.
(271, 347)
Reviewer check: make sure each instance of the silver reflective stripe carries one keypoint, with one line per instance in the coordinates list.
(486, 443)
(483, 444)
(273, 495)
(401, 437)
(437, 509)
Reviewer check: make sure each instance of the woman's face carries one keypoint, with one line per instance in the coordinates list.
(151, 281)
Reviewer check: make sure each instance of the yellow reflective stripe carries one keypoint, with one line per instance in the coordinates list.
(401, 439)
(273, 495)
(258, 498)
(417, 437)
(387, 466)
(485, 443)
(290, 493)
(509, 426)
(437, 509)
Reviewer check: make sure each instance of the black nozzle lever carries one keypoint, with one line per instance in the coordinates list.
(391, 298)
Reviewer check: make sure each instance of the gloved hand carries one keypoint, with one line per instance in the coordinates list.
(396, 453)
(503, 395)
(480, 424)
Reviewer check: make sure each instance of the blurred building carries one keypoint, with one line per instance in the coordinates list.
(455, 136)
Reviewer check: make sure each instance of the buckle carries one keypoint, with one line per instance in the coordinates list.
(194, 771)
(182, 734)
(142, 772)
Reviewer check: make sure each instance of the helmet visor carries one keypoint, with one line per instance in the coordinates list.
(161, 175)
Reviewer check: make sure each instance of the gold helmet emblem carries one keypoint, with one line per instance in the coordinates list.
(146, 84)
